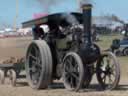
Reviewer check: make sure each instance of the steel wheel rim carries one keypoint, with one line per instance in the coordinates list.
(34, 64)
(107, 72)
(71, 72)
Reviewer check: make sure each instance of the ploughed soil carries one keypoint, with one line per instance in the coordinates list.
(16, 47)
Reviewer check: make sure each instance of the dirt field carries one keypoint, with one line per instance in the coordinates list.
(13, 47)
(22, 89)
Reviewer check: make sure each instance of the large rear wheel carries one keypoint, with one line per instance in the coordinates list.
(38, 64)
(108, 71)
(73, 75)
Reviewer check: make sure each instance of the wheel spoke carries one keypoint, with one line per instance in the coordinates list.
(76, 66)
(103, 65)
(32, 56)
(70, 64)
(113, 74)
(75, 76)
(108, 60)
(71, 82)
(113, 66)
(71, 59)
(33, 63)
(101, 70)
(35, 76)
(104, 78)
(36, 62)
(38, 65)
(110, 80)
(66, 67)
(34, 79)
(67, 75)
(32, 72)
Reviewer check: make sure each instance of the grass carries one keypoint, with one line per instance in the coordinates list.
(105, 43)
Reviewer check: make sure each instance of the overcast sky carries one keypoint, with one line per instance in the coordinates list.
(28, 7)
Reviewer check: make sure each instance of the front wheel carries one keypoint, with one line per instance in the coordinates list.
(108, 71)
(73, 74)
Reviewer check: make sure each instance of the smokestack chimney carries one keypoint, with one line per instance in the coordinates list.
(87, 14)
(89, 52)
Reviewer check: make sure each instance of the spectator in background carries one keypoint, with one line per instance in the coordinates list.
(125, 32)
(95, 35)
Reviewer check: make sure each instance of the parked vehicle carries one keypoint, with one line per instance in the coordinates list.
(120, 46)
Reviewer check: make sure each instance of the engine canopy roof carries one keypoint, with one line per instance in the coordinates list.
(60, 19)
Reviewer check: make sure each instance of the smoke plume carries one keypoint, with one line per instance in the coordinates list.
(117, 19)
(85, 1)
(71, 19)
(47, 4)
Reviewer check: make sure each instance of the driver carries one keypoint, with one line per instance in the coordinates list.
(55, 30)
(38, 32)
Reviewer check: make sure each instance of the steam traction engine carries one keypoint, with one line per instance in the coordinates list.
(67, 51)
